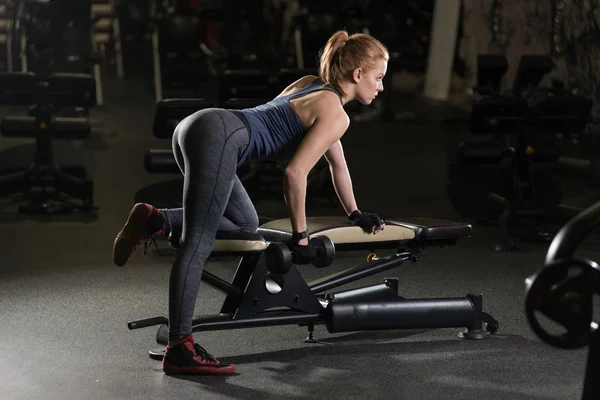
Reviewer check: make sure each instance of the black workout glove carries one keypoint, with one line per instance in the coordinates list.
(367, 221)
(301, 254)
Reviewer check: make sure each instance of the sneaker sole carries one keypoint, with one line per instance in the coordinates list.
(171, 369)
(134, 227)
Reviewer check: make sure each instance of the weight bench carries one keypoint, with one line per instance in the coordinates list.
(46, 187)
(264, 292)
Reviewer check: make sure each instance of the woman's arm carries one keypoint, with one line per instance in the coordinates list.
(328, 128)
(340, 176)
(342, 183)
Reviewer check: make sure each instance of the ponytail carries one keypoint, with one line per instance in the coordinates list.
(342, 54)
(330, 66)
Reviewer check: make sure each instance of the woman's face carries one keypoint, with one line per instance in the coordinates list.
(370, 82)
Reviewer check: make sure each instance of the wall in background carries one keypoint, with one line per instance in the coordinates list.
(568, 30)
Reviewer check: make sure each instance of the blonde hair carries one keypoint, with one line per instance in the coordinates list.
(342, 54)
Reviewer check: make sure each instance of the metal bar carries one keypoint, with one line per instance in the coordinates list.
(221, 284)
(278, 318)
(359, 272)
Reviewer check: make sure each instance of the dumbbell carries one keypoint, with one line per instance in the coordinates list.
(279, 256)
(322, 251)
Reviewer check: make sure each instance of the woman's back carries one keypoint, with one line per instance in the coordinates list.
(308, 106)
(277, 127)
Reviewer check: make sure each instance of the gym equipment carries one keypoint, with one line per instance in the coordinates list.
(562, 291)
(62, 29)
(316, 21)
(244, 34)
(531, 70)
(491, 68)
(9, 33)
(177, 35)
(236, 103)
(323, 251)
(514, 171)
(258, 297)
(183, 58)
(169, 112)
(287, 76)
(278, 256)
(48, 188)
(106, 30)
(245, 84)
(160, 161)
(134, 18)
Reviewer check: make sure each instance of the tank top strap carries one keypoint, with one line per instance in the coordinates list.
(314, 86)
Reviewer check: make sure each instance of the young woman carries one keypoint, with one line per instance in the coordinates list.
(298, 127)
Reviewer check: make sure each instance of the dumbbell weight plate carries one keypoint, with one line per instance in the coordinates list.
(278, 258)
(565, 298)
(324, 251)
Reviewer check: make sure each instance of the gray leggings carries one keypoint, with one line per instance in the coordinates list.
(207, 146)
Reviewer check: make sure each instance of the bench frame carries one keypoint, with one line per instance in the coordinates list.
(257, 298)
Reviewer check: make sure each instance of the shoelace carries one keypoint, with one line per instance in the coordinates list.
(203, 353)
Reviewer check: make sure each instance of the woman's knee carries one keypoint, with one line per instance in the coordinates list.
(250, 223)
(255, 222)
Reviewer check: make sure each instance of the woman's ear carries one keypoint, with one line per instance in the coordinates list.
(357, 75)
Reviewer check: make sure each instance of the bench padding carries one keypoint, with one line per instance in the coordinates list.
(432, 229)
(344, 235)
(341, 231)
(239, 243)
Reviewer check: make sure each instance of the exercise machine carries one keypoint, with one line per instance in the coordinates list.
(64, 27)
(559, 298)
(511, 178)
(245, 88)
(9, 11)
(268, 289)
(316, 21)
(106, 30)
(47, 187)
(187, 50)
(244, 35)
(177, 55)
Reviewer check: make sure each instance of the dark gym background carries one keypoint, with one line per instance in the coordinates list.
(65, 307)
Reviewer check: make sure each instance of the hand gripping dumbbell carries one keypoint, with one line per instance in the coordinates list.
(279, 256)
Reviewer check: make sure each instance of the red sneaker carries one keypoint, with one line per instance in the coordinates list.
(188, 357)
(135, 232)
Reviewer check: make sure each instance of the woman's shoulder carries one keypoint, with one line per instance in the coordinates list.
(299, 84)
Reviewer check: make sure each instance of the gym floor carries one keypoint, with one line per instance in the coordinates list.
(65, 306)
